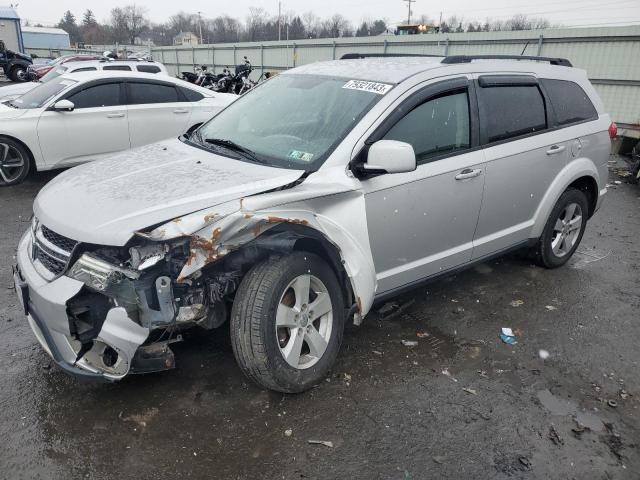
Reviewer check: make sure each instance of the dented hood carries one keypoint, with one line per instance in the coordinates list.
(107, 201)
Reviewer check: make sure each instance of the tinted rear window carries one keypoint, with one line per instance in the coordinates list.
(570, 103)
(124, 68)
(141, 93)
(148, 68)
(511, 111)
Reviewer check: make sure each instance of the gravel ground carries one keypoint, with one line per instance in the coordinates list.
(459, 404)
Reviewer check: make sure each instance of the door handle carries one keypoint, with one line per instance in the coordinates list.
(556, 149)
(468, 173)
(115, 115)
(180, 110)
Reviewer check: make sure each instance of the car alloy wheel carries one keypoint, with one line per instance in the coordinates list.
(304, 320)
(12, 163)
(566, 230)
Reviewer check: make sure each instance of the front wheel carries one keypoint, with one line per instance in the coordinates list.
(18, 74)
(287, 322)
(15, 162)
(564, 229)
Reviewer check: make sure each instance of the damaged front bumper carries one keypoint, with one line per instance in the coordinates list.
(45, 304)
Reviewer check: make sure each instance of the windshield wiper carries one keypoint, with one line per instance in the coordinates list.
(231, 145)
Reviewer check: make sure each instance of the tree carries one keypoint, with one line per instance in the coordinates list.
(69, 25)
(377, 27)
(296, 29)
(311, 24)
(88, 18)
(336, 26)
(363, 30)
(136, 21)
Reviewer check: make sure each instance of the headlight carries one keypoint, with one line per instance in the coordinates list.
(98, 274)
(146, 256)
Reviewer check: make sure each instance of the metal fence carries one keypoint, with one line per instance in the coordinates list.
(608, 54)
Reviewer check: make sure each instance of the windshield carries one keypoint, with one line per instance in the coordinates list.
(40, 95)
(291, 121)
(54, 73)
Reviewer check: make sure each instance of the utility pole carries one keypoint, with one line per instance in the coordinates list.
(279, 22)
(409, 2)
(200, 26)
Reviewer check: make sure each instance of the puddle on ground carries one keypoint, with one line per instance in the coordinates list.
(560, 406)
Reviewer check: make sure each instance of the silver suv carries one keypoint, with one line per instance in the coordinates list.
(326, 189)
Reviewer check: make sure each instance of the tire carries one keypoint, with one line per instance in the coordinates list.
(18, 74)
(564, 229)
(635, 165)
(15, 162)
(266, 353)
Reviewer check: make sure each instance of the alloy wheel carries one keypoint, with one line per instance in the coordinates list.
(304, 320)
(566, 230)
(12, 163)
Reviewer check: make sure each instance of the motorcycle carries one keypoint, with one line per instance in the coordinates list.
(238, 82)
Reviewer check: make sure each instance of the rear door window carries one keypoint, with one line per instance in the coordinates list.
(436, 127)
(84, 69)
(570, 102)
(509, 111)
(144, 93)
(105, 95)
(124, 68)
(148, 68)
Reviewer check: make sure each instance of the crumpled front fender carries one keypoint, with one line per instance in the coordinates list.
(337, 212)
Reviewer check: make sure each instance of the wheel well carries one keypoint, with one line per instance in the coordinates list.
(329, 254)
(32, 167)
(589, 186)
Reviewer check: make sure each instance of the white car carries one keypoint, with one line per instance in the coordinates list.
(82, 117)
(17, 89)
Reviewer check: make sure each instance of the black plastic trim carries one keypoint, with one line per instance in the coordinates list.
(453, 59)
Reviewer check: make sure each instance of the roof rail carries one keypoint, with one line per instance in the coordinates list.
(355, 56)
(109, 60)
(468, 58)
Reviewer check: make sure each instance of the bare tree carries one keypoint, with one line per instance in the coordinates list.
(336, 26)
(311, 23)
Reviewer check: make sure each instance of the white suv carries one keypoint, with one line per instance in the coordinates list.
(328, 188)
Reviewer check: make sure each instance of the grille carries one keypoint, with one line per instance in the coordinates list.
(58, 240)
(52, 250)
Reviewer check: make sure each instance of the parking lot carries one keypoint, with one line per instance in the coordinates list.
(458, 404)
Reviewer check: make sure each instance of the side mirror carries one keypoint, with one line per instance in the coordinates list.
(64, 106)
(390, 156)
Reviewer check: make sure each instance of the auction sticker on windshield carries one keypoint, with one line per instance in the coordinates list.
(374, 87)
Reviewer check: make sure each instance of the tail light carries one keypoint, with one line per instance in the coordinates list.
(613, 130)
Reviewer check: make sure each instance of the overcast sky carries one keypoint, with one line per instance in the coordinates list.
(568, 12)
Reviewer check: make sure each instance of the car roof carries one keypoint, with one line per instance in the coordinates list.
(375, 69)
(101, 74)
(119, 74)
(397, 69)
(97, 62)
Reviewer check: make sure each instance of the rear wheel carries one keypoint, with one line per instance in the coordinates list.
(564, 229)
(15, 162)
(287, 322)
